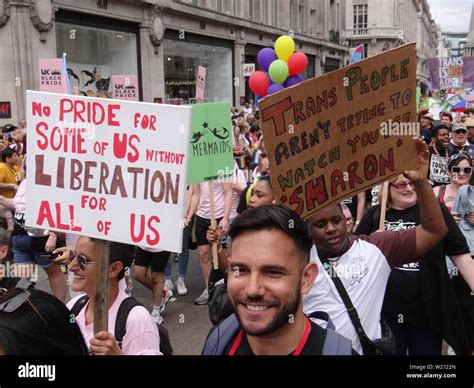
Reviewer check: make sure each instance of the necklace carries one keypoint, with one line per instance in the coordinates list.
(442, 164)
(335, 261)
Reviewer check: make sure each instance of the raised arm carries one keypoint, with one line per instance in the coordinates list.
(433, 227)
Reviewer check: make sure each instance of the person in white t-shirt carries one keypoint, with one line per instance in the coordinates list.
(364, 263)
(248, 109)
(222, 207)
(142, 336)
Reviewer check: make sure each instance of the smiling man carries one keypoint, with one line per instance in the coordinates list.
(363, 263)
(269, 270)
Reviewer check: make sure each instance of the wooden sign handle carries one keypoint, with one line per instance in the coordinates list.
(101, 299)
(383, 205)
(213, 224)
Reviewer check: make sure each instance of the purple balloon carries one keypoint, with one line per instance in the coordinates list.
(293, 80)
(265, 57)
(274, 88)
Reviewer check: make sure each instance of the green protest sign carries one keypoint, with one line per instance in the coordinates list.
(210, 144)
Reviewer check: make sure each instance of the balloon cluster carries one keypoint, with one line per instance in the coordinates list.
(281, 68)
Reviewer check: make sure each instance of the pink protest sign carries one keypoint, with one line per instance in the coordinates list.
(125, 87)
(200, 83)
(50, 76)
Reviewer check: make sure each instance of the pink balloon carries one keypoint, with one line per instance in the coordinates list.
(297, 63)
(259, 83)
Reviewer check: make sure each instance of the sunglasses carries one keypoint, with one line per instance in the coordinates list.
(11, 300)
(464, 170)
(402, 185)
(81, 260)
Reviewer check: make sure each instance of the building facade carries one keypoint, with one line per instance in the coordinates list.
(382, 25)
(455, 43)
(163, 42)
(469, 46)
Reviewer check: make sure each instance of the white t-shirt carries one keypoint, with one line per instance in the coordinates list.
(141, 337)
(364, 270)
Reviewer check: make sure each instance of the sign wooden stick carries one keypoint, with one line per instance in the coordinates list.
(383, 205)
(213, 224)
(101, 300)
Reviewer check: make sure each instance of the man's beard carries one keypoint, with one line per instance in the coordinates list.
(282, 317)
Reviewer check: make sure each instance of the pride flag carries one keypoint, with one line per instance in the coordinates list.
(357, 53)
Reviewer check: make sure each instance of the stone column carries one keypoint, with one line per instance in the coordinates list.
(32, 38)
(151, 61)
(239, 80)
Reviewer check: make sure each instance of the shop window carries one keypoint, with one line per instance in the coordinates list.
(94, 55)
(182, 60)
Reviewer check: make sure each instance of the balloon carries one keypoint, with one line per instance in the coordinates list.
(278, 71)
(293, 80)
(265, 57)
(297, 63)
(257, 100)
(284, 47)
(259, 83)
(274, 88)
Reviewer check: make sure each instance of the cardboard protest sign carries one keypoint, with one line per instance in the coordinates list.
(200, 84)
(109, 169)
(336, 135)
(50, 76)
(452, 72)
(125, 87)
(210, 144)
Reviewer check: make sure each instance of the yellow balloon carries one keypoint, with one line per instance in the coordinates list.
(284, 47)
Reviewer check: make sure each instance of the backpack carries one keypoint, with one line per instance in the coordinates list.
(221, 335)
(121, 322)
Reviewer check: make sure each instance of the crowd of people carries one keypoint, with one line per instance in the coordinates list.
(331, 284)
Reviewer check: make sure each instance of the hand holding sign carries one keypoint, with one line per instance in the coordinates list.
(421, 172)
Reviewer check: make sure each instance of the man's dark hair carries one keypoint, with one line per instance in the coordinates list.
(41, 326)
(275, 217)
(446, 114)
(436, 129)
(8, 153)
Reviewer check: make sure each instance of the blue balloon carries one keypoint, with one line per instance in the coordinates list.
(274, 88)
(293, 80)
(257, 100)
(265, 57)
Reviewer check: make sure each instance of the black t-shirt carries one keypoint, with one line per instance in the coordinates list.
(351, 203)
(426, 134)
(312, 347)
(403, 294)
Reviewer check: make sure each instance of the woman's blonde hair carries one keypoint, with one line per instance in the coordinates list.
(389, 196)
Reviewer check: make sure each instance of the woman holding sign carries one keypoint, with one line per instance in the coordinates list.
(420, 305)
